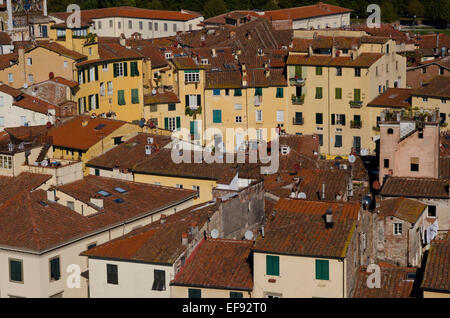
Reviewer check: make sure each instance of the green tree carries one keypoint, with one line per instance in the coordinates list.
(388, 13)
(415, 8)
(271, 5)
(213, 8)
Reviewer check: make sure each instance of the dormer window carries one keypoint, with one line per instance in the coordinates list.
(204, 61)
(168, 55)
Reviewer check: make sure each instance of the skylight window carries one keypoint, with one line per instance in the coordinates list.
(104, 193)
(411, 276)
(119, 200)
(99, 127)
(120, 190)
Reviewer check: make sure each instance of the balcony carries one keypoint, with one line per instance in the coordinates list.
(297, 121)
(355, 124)
(297, 81)
(355, 104)
(298, 100)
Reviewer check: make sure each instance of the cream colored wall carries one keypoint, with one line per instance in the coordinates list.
(134, 280)
(115, 173)
(206, 186)
(332, 21)
(60, 176)
(183, 292)
(428, 294)
(432, 103)
(297, 278)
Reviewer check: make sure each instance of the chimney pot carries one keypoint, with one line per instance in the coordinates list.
(162, 219)
(185, 239)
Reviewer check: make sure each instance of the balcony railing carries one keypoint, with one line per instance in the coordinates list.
(297, 121)
(355, 104)
(297, 81)
(298, 100)
(355, 124)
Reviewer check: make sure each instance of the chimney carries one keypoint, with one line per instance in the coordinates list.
(194, 228)
(122, 40)
(162, 219)
(51, 195)
(213, 53)
(98, 202)
(329, 217)
(267, 73)
(184, 239)
(323, 191)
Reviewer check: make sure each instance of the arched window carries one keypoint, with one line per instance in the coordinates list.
(390, 131)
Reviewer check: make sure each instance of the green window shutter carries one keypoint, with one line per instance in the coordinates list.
(338, 93)
(172, 107)
(319, 118)
(333, 120)
(357, 95)
(125, 69)
(217, 116)
(318, 70)
(322, 269)
(97, 101)
(121, 97)
(357, 118)
(237, 92)
(134, 69)
(135, 96)
(258, 91)
(272, 265)
(318, 92)
(178, 123)
(298, 71)
(192, 127)
(116, 70)
(15, 270)
(166, 123)
(96, 72)
(279, 92)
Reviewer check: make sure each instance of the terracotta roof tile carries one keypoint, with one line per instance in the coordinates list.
(363, 60)
(156, 242)
(73, 134)
(415, 188)
(23, 182)
(5, 39)
(402, 208)
(218, 263)
(298, 228)
(437, 268)
(393, 97)
(438, 87)
(394, 283)
(26, 101)
(161, 98)
(6, 60)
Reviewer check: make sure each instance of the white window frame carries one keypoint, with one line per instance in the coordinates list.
(397, 228)
(192, 77)
(259, 115)
(172, 123)
(102, 89)
(29, 61)
(238, 119)
(11, 77)
(280, 116)
(110, 88)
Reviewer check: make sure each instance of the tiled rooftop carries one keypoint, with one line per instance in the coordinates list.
(437, 268)
(438, 87)
(393, 97)
(402, 208)
(415, 188)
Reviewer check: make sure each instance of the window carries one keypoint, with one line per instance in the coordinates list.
(10, 77)
(386, 163)
(134, 71)
(338, 71)
(135, 96)
(279, 92)
(99, 25)
(165, 27)
(117, 140)
(236, 295)
(171, 107)
(390, 131)
(90, 51)
(238, 119)
(420, 133)
(237, 92)
(191, 76)
(102, 89)
(141, 25)
(130, 24)
(196, 188)
(259, 115)
(216, 92)
(121, 97)
(119, 25)
(174, 28)
(272, 265)
(441, 71)
(238, 106)
(159, 282)
(15, 271)
(30, 78)
(110, 88)
(156, 26)
(338, 141)
(357, 95)
(318, 70)
(318, 92)
(357, 71)
(112, 276)
(227, 92)
(397, 229)
(110, 23)
(415, 164)
(194, 293)
(322, 269)
(432, 211)
(320, 139)
(71, 204)
(217, 116)
(319, 118)
(120, 69)
(172, 123)
(29, 61)
(338, 119)
(55, 272)
(280, 116)
(150, 26)
(338, 93)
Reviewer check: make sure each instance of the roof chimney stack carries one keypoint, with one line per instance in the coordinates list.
(329, 218)
(162, 219)
(185, 239)
(323, 191)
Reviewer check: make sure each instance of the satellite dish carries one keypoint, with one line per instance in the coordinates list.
(249, 235)
(153, 91)
(292, 195)
(302, 195)
(351, 159)
(364, 152)
(214, 233)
